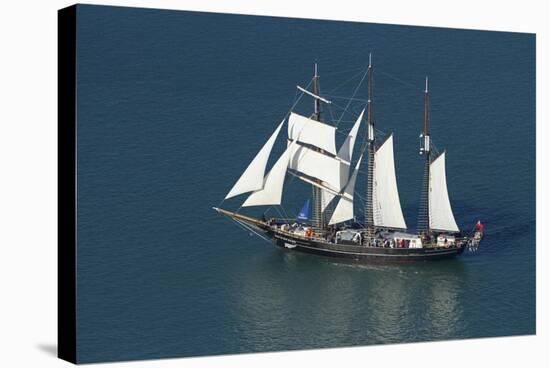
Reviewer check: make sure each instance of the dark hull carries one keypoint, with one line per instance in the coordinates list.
(361, 253)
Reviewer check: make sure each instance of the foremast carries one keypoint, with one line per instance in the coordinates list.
(369, 208)
(424, 208)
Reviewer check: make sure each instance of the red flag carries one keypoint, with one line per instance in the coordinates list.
(480, 226)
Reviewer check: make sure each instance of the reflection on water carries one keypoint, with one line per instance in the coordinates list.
(328, 303)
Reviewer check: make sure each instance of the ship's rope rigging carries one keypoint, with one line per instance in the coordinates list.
(353, 96)
(298, 96)
(345, 98)
(353, 103)
(280, 209)
(246, 227)
(345, 82)
(414, 87)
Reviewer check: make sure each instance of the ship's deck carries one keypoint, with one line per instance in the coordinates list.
(354, 246)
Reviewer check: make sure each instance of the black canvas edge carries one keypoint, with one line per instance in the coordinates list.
(66, 184)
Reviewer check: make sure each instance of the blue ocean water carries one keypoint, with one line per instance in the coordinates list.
(173, 105)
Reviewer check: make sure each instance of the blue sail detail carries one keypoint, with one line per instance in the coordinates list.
(304, 213)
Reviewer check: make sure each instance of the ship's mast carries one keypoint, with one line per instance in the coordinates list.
(369, 215)
(317, 213)
(424, 211)
(317, 92)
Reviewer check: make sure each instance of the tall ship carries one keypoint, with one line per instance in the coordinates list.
(327, 223)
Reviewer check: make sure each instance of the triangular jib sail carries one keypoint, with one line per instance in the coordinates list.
(253, 177)
(272, 191)
(386, 205)
(441, 214)
(346, 151)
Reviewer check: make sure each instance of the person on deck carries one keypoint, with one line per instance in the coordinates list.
(479, 226)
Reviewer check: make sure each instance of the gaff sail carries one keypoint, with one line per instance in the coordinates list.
(441, 213)
(386, 205)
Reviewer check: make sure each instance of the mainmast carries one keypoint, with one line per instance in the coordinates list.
(424, 210)
(317, 213)
(369, 215)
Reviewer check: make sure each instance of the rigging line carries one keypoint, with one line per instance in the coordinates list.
(363, 201)
(231, 220)
(297, 99)
(287, 217)
(434, 148)
(236, 222)
(354, 93)
(244, 225)
(340, 107)
(283, 214)
(331, 115)
(352, 106)
(345, 98)
(343, 71)
(355, 113)
(345, 82)
(364, 145)
(342, 133)
(349, 121)
(380, 133)
(223, 200)
(360, 196)
(357, 110)
(249, 228)
(402, 81)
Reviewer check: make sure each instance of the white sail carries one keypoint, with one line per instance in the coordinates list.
(326, 198)
(346, 151)
(272, 190)
(441, 214)
(318, 166)
(344, 208)
(386, 206)
(312, 132)
(253, 177)
(314, 182)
